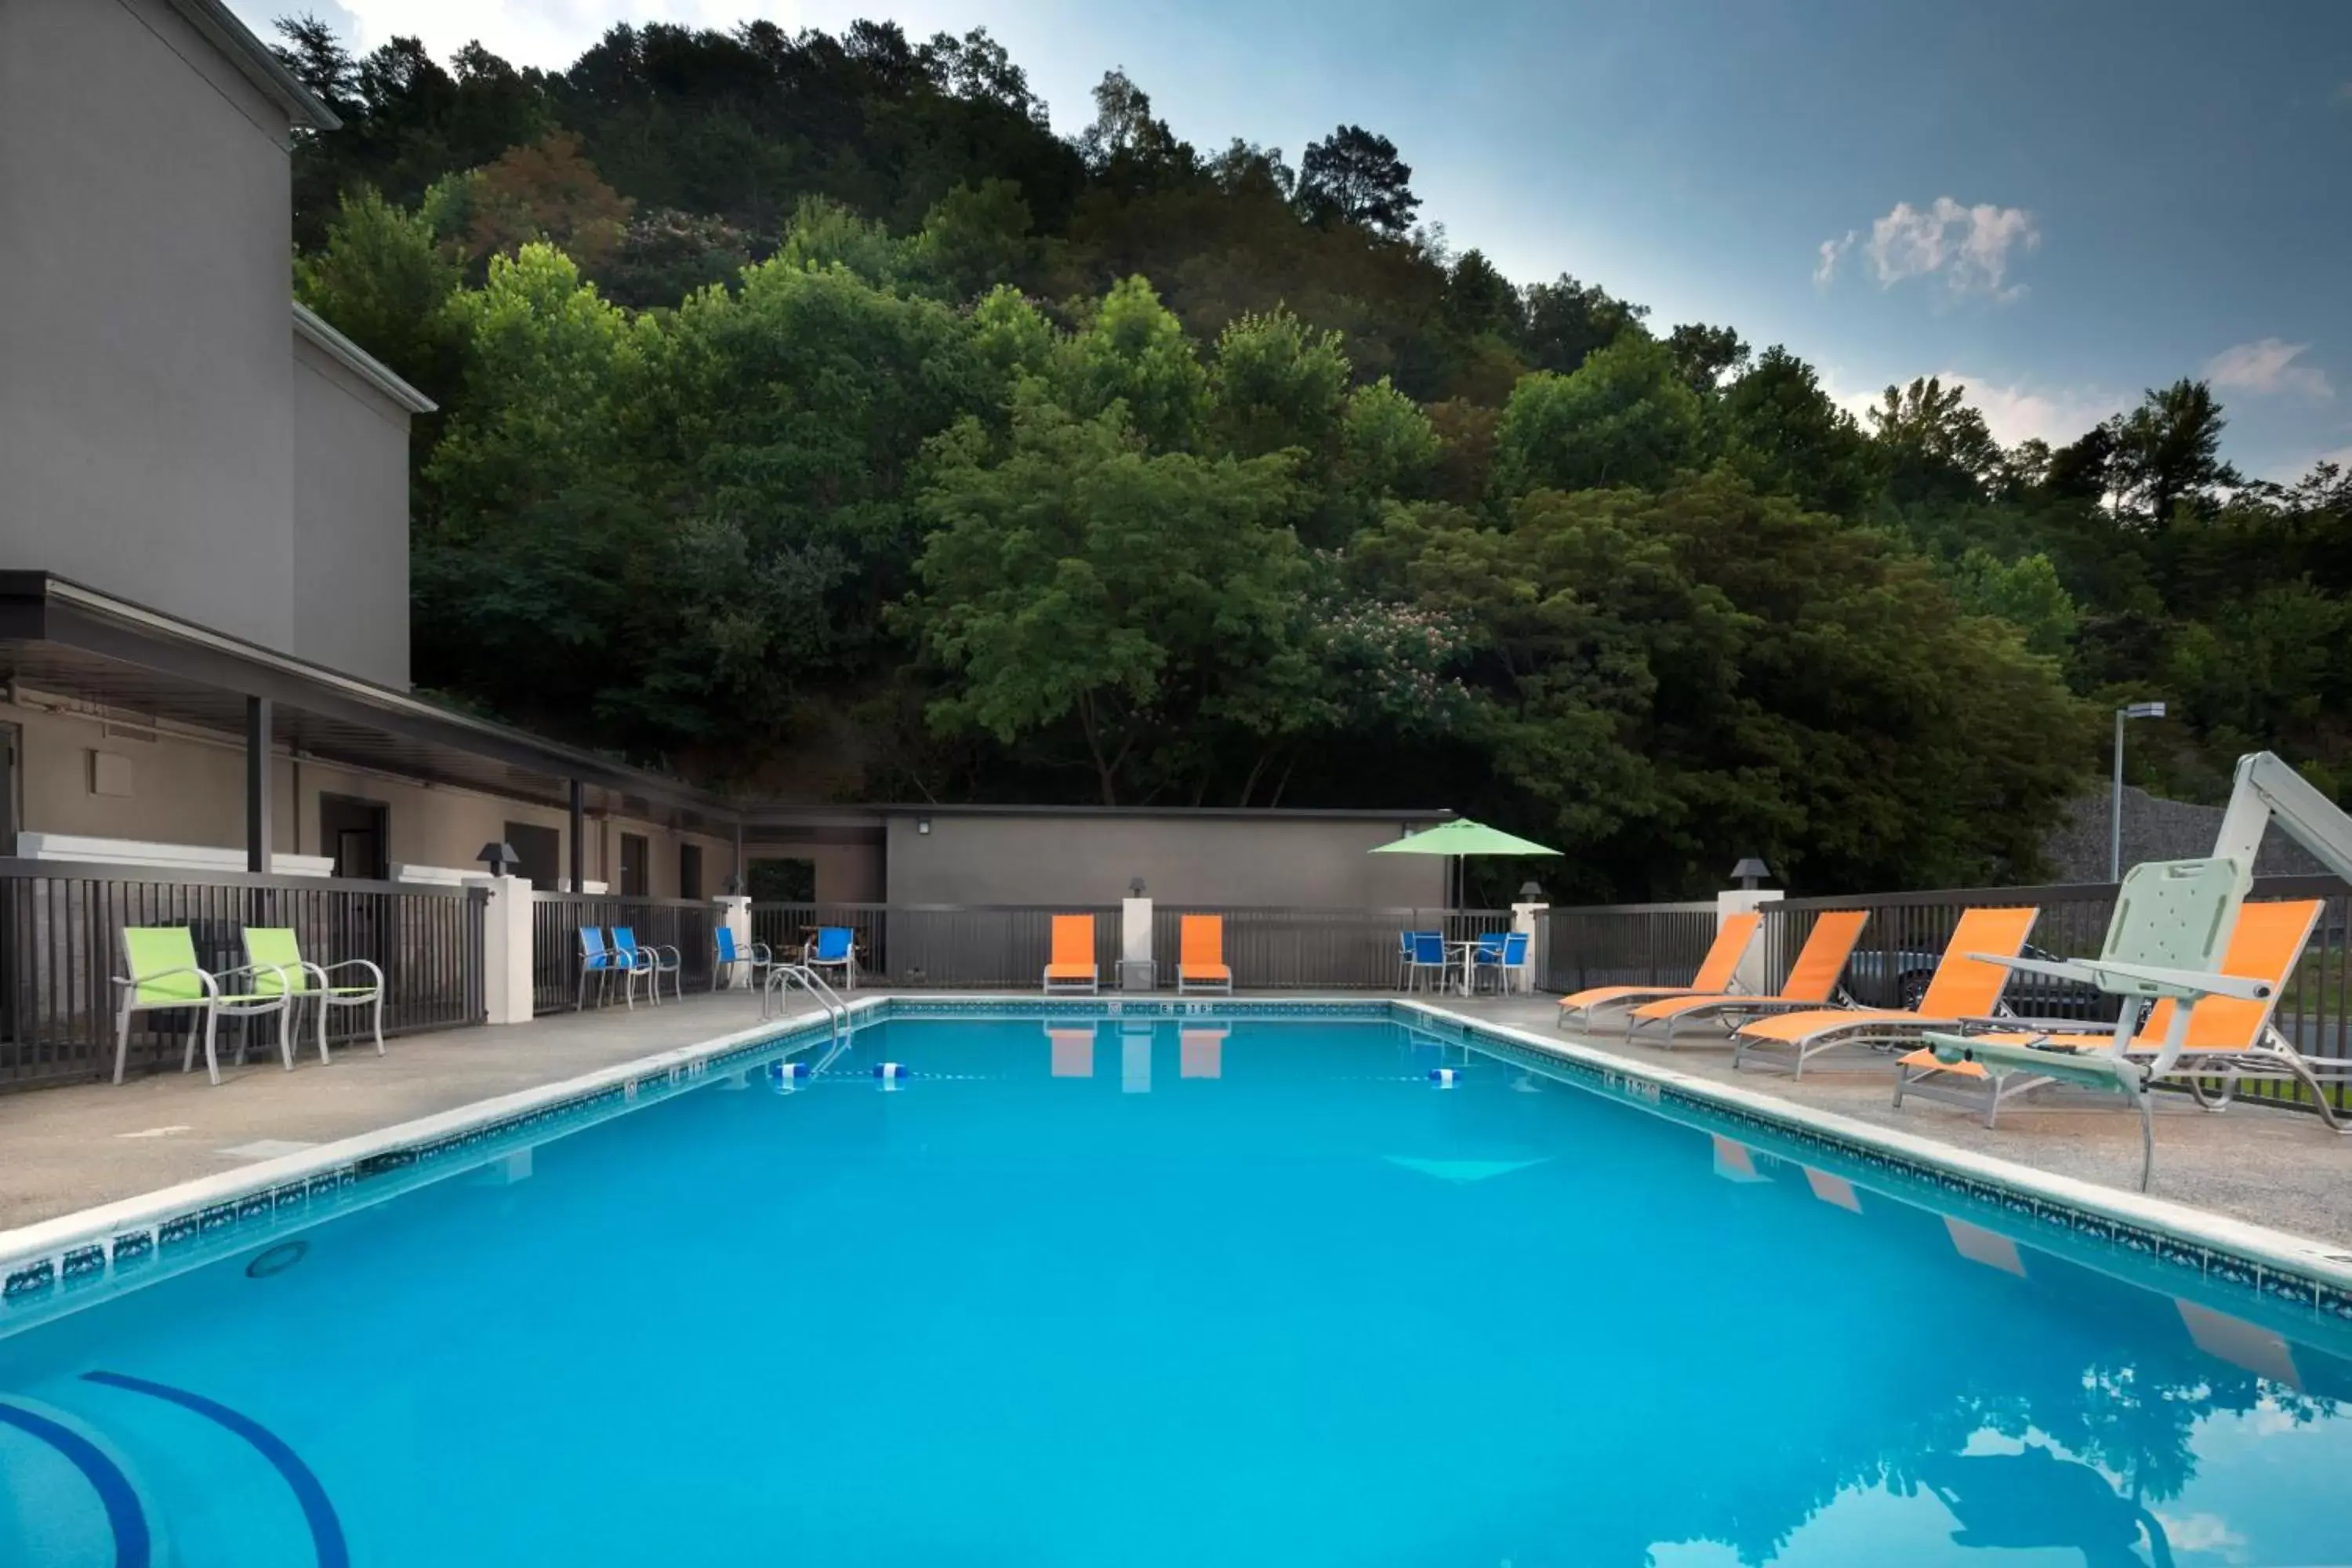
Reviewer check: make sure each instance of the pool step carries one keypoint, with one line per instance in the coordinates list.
(196, 1484)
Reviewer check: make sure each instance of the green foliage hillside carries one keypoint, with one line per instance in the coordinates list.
(815, 419)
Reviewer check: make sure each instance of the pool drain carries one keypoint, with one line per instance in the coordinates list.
(278, 1260)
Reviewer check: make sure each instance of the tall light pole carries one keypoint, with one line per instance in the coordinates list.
(2115, 805)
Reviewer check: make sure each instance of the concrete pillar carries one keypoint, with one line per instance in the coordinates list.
(1750, 978)
(506, 951)
(735, 914)
(1523, 920)
(578, 832)
(1135, 940)
(258, 792)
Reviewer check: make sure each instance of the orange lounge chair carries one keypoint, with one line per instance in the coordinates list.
(1201, 955)
(1961, 988)
(1073, 967)
(2227, 1035)
(1812, 981)
(1732, 938)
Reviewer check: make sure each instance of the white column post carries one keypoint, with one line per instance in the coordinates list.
(506, 951)
(1749, 978)
(735, 914)
(1523, 920)
(1134, 938)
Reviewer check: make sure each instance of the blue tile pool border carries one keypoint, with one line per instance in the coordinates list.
(62, 1265)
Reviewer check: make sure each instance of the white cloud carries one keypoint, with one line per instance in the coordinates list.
(1967, 248)
(2012, 412)
(1831, 251)
(2267, 366)
(2204, 1532)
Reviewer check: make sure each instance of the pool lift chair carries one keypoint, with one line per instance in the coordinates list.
(2166, 939)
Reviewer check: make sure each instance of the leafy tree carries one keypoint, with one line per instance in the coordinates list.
(1079, 581)
(1936, 446)
(386, 284)
(2025, 592)
(975, 238)
(545, 191)
(2168, 451)
(1134, 352)
(1625, 416)
(1353, 177)
(1705, 354)
(1784, 433)
(667, 255)
(1566, 322)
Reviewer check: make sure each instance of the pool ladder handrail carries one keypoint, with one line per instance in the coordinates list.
(781, 978)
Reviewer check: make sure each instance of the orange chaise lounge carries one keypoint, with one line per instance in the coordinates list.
(2226, 1034)
(1201, 955)
(1963, 987)
(1812, 981)
(1072, 968)
(1732, 938)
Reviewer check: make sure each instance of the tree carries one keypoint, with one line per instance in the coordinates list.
(1078, 581)
(314, 52)
(1784, 433)
(1707, 354)
(382, 281)
(1936, 446)
(2168, 452)
(1353, 177)
(545, 191)
(1566, 322)
(1134, 352)
(975, 238)
(1625, 417)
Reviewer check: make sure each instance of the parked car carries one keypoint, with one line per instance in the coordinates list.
(1877, 978)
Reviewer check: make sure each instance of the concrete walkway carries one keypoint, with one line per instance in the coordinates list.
(2279, 1168)
(66, 1148)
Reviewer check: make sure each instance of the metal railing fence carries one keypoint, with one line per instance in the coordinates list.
(60, 950)
(687, 924)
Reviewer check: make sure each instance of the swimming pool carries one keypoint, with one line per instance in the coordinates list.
(1168, 1290)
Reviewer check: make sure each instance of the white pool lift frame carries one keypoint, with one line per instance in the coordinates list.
(2170, 928)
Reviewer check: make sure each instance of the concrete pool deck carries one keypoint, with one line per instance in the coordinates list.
(62, 1150)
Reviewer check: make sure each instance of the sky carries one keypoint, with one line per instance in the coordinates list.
(2058, 205)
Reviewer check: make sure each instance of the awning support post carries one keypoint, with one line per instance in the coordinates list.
(256, 785)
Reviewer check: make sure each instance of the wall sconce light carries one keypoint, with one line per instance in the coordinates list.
(923, 826)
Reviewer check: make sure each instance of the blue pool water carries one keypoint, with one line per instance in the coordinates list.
(1145, 1295)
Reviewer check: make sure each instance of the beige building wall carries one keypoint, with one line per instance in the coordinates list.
(186, 788)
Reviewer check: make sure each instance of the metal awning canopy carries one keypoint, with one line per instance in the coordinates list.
(60, 637)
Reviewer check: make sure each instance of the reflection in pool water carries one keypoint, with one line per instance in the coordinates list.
(1174, 1296)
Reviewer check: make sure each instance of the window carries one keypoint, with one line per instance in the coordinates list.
(632, 865)
(541, 850)
(689, 870)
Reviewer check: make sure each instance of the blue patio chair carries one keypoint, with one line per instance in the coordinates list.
(1428, 955)
(654, 960)
(756, 954)
(604, 962)
(836, 948)
(1405, 956)
(1502, 954)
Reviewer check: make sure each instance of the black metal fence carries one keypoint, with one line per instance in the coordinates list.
(689, 925)
(60, 950)
(1906, 938)
(1316, 949)
(948, 946)
(1621, 944)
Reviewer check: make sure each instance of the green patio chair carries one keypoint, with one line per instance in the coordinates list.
(165, 977)
(275, 948)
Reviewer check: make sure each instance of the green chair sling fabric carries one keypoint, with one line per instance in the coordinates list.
(164, 976)
(275, 951)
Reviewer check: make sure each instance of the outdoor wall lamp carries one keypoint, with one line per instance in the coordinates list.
(499, 858)
(923, 826)
(1750, 872)
(1135, 888)
(1530, 892)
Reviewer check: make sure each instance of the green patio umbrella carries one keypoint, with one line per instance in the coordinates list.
(1460, 838)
